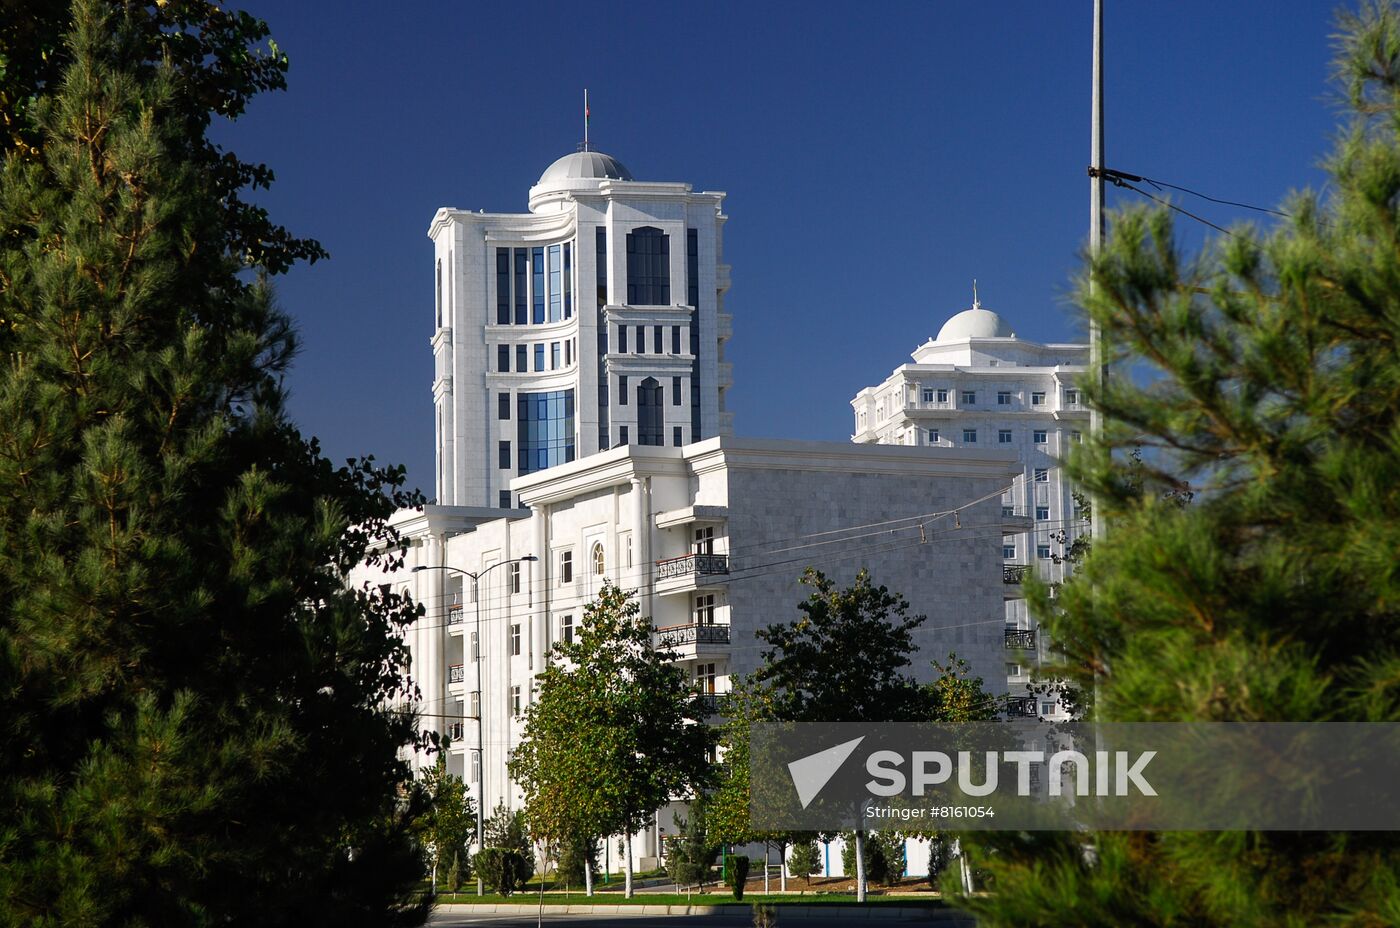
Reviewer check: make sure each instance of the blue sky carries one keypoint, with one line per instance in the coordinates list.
(877, 158)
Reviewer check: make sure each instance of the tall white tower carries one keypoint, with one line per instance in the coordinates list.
(594, 320)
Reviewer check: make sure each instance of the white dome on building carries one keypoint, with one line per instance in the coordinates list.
(585, 165)
(974, 323)
(578, 172)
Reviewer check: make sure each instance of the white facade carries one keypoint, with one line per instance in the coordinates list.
(594, 320)
(977, 386)
(713, 538)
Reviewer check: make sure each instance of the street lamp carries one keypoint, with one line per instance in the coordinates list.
(481, 695)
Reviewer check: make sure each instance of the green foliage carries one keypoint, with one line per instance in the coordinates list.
(765, 915)
(448, 824)
(506, 828)
(575, 853)
(692, 853)
(805, 859)
(884, 856)
(504, 869)
(615, 731)
(454, 873)
(736, 877)
(844, 659)
(956, 696)
(196, 721)
(1270, 389)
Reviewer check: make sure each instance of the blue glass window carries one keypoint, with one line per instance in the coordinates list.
(503, 406)
(503, 286)
(675, 339)
(539, 356)
(656, 339)
(650, 430)
(522, 358)
(537, 268)
(676, 436)
(522, 270)
(692, 267)
(556, 283)
(503, 358)
(601, 260)
(503, 500)
(544, 430)
(675, 391)
(622, 392)
(554, 356)
(648, 267)
(568, 280)
(622, 339)
(503, 455)
(622, 434)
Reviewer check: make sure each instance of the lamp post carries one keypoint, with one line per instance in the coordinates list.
(480, 693)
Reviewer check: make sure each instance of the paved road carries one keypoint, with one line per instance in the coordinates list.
(936, 919)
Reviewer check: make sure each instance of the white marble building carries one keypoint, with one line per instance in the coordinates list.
(594, 320)
(977, 386)
(713, 537)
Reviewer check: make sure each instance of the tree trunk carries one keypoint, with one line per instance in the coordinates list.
(627, 884)
(860, 865)
(766, 846)
(587, 877)
(782, 867)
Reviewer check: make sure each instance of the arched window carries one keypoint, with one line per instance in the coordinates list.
(599, 562)
(648, 267)
(650, 430)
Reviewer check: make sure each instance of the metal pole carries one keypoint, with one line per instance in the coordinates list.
(480, 737)
(1096, 230)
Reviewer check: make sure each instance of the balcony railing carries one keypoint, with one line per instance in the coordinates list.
(1020, 638)
(712, 703)
(454, 613)
(1021, 707)
(456, 673)
(675, 635)
(1014, 573)
(692, 564)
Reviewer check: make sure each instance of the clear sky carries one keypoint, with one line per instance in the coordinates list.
(877, 157)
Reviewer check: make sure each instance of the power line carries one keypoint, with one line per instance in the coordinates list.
(1159, 184)
(1114, 178)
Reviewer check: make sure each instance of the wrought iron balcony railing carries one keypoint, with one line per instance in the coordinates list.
(1014, 573)
(456, 673)
(454, 613)
(1021, 707)
(1020, 638)
(691, 564)
(712, 703)
(676, 635)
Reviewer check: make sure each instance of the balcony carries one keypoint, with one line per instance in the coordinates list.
(1020, 639)
(1021, 707)
(457, 673)
(689, 572)
(690, 641)
(712, 703)
(454, 613)
(455, 731)
(1014, 573)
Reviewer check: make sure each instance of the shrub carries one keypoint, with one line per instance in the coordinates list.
(504, 869)
(738, 876)
(805, 859)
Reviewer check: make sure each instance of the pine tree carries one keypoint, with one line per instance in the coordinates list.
(692, 854)
(1267, 384)
(193, 721)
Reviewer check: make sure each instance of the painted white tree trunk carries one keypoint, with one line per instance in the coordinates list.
(860, 866)
(782, 868)
(587, 878)
(766, 847)
(627, 884)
